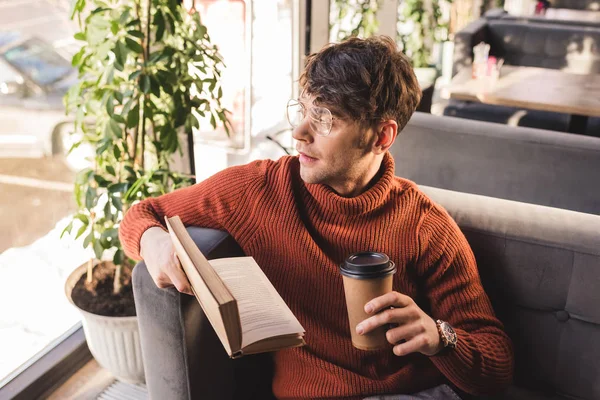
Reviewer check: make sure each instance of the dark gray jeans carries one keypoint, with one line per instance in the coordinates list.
(441, 392)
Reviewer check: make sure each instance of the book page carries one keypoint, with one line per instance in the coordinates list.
(263, 313)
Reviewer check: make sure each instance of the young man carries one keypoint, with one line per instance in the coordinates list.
(300, 217)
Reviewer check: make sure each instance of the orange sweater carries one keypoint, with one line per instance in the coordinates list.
(299, 233)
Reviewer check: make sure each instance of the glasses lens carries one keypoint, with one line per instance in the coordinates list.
(321, 120)
(295, 113)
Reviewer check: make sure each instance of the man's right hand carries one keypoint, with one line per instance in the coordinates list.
(158, 252)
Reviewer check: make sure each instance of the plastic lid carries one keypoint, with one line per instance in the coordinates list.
(367, 265)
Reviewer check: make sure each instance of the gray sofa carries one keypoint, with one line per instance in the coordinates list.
(539, 265)
(522, 164)
(572, 48)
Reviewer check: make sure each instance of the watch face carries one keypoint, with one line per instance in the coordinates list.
(449, 334)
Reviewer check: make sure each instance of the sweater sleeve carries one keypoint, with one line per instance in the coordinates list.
(216, 202)
(482, 361)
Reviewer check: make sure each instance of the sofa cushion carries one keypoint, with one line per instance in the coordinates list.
(541, 269)
(508, 115)
(573, 49)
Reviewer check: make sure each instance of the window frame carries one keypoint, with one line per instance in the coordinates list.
(46, 371)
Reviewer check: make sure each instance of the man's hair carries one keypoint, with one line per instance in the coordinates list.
(368, 80)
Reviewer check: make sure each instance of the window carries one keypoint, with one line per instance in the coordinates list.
(35, 180)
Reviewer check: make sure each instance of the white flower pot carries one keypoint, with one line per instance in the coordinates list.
(113, 341)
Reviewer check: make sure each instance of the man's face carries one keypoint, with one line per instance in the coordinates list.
(343, 159)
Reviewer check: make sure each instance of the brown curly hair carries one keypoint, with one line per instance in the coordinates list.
(363, 79)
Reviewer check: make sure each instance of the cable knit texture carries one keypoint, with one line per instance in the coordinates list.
(299, 233)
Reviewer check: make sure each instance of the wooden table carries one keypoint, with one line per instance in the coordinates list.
(535, 89)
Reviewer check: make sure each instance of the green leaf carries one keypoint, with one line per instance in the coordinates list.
(133, 22)
(133, 76)
(102, 182)
(98, 249)
(76, 60)
(118, 118)
(111, 170)
(159, 22)
(90, 198)
(136, 33)
(102, 147)
(133, 117)
(81, 231)
(154, 86)
(88, 239)
(213, 121)
(114, 27)
(118, 187)
(79, 36)
(119, 97)
(124, 17)
(134, 46)
(117, 203)
(115, 128)
(110, 105)
(145, 83)
(107, 210)
(68, 228)
(118, 257)
(117, 152)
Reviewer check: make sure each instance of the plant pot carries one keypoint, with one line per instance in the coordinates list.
(113, 341)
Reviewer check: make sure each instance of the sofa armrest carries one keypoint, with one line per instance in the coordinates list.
(464, 40)
(183, 357)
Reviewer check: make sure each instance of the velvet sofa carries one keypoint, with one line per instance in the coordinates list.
(540, 267)
(573, 48)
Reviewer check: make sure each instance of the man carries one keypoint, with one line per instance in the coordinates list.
(300, 217)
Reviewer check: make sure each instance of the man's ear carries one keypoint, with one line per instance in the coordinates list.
(386, 135)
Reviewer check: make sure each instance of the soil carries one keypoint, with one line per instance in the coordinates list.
(98, 298)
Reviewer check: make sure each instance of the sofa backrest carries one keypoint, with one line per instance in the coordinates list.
(570, 48)
(522, 164)
(541, 269)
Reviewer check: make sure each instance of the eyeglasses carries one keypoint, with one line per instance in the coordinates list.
(319, 118)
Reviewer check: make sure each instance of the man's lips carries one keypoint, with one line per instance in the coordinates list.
(305, 158)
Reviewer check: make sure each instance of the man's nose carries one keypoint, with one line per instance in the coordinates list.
(303, 131)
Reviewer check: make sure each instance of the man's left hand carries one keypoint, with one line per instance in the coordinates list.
(417, 330)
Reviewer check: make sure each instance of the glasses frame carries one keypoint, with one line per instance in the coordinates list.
(313, 122)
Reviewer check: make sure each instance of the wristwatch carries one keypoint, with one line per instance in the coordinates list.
(447, 334)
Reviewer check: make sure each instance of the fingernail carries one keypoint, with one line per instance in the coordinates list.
(359, 329)
(369, 308)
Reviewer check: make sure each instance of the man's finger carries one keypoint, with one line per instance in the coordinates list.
(413, 345)
(178, 277)
(403, 332)
(391, 299)
(390, 316)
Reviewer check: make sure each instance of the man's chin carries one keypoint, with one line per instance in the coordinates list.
(309, 176)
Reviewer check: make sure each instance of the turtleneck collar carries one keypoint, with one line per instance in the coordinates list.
(367, 201)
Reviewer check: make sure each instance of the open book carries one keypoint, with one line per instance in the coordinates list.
(244, 308)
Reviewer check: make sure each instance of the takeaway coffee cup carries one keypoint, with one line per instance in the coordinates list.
(366, 275)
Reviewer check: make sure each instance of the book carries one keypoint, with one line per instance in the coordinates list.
(244, 308)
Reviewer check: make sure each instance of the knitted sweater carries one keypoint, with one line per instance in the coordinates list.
(299, 233)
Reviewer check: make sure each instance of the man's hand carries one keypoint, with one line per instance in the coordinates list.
(156, 248)
(417, 330)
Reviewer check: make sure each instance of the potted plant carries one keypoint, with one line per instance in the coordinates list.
(148, 75)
